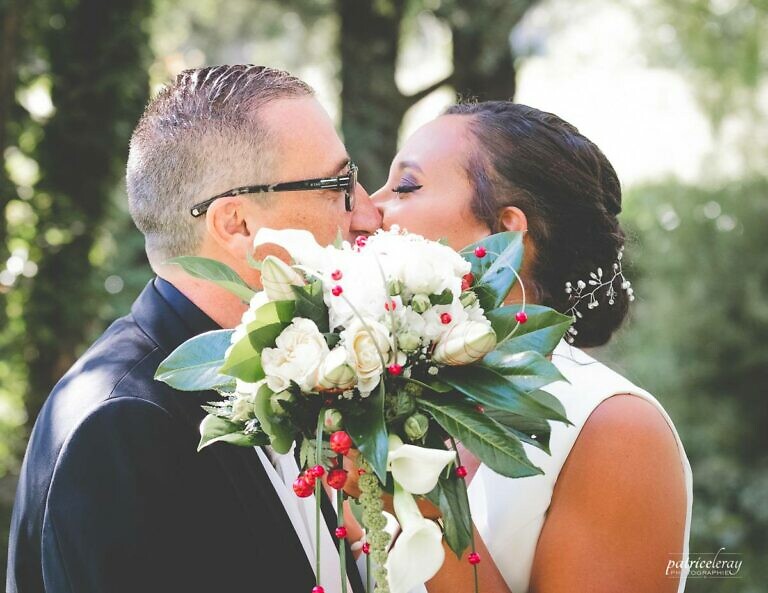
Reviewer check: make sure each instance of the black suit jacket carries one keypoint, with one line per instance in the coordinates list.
(113, 496)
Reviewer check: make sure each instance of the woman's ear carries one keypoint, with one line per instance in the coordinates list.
(511, 218)
(227, 224)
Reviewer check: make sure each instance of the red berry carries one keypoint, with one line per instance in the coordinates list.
(480, 251)
(395, 369)
(337, 478)
(473, 558)
(341, 532)
(461, 471)
(318, 589)
(337, 290)
(302, 488)
(360, 471)
(390, 306)
(361, 241)
(336, 275)
(446, 318)
(466, 281)
(480, 409)
(309, 478)
(317, 471)
(521, 317)
(341, 442)
(366, 548)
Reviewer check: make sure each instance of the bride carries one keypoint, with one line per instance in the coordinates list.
(612, 511)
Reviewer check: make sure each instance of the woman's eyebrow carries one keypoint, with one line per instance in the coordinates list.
(409, 165)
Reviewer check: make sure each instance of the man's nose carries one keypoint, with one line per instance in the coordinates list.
(366, 218)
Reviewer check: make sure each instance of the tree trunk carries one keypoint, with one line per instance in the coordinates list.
(372, 105)
(483, 61)
(100, 85)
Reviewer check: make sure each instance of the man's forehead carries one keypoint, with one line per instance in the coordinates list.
(303, 133)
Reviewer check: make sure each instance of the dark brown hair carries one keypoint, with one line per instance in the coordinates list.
(570, 195)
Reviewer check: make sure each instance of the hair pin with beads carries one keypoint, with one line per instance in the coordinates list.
(590, 290)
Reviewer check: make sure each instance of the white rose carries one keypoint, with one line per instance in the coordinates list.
(299, 352)
(335, 373)
(465, 343)
(365, 349)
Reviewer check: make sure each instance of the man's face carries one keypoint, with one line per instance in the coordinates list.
(306, 146)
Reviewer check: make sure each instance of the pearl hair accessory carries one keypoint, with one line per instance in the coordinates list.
(580, 291)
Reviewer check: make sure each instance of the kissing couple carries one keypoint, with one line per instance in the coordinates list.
(113, 496)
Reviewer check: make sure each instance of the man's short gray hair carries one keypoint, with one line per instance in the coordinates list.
(200, 136)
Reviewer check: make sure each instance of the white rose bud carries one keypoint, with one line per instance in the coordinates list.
(420, 303)
(465, 343)
(468, 299)
(365, 349)
(408, 342)
(332, 420)
(416, 426)
(277, 277)
(335, 373)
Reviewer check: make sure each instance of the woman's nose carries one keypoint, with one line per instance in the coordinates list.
(380, 199)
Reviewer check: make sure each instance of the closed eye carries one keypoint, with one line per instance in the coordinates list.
(406, 189)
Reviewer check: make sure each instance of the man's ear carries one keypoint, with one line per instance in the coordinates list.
(227, 224)
(511, 218)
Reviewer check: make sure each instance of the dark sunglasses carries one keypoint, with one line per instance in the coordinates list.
(346, 182)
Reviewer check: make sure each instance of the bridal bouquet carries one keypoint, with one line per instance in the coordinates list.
(388, 350)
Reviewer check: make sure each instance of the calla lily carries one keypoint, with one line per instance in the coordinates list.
(300, 244)
(416, 468)
(277, 278)
(418, 552)
(465, 343)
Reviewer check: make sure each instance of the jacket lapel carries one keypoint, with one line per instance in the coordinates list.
(266, 516)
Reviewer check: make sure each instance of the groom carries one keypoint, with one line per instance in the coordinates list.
(113, 496)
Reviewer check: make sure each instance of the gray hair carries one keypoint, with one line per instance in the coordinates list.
(200, 136)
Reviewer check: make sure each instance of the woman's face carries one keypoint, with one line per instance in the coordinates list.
(428, 191)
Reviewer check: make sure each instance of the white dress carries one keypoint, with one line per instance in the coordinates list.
(509, 513)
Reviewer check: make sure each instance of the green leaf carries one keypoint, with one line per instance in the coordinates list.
(338, 242)
(214, 429)
(195, 364)
(279, 428)
(524, 428)
(216, 272)
(310, 304)
(449, 496)
(541, 333)
(244, 360)
(490, 388)
(547, 399)
(444, 298)
(484, 437)
(254, 263)
(369, 432)
(525, 370)
(495, 272)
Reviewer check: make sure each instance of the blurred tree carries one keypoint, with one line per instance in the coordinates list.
(698, 339)
(97, 56)
(370, 38)
(483, 61)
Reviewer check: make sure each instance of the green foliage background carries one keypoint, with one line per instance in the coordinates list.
(698, 334)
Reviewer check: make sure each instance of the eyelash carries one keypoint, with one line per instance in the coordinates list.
(406, 189)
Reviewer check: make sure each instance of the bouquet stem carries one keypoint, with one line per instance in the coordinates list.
(471, 524)
(340, 523)
(318, 494)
